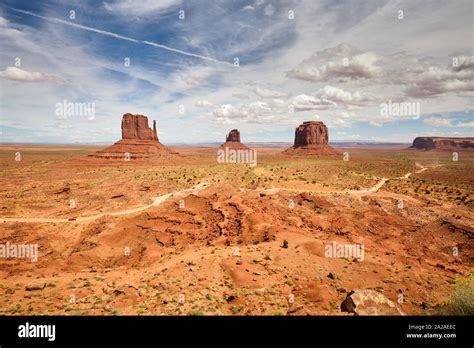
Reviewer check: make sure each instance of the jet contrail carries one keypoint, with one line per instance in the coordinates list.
(118, 36)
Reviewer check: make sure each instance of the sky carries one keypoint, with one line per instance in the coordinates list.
(377, 70)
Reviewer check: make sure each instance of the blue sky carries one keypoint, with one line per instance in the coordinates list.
(334, 61)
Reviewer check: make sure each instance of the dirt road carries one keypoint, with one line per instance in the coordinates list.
(155, 202)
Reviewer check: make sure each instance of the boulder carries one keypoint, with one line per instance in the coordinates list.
(369, 302)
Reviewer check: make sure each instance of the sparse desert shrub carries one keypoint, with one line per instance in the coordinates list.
(462, 299)
(285, 244)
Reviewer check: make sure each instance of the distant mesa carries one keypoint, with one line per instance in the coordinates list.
(138, 140)
(232, 140)
(442, 143)
(311, 139)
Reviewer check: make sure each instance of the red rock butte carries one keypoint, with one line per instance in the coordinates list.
(138, 140)
(443, 143)
(311, 139)
(232, 140)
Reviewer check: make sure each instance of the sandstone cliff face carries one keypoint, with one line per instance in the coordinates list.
(441, 143)
(311, 132)
(138, 141)
(232, 140)
(311, 139)
(136, 127)
(234, 135)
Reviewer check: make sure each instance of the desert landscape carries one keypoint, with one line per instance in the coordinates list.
(259, 158)
(173, 232)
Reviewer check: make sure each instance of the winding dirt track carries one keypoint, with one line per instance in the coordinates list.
(156, 201)
(194, 190)
(360, 192)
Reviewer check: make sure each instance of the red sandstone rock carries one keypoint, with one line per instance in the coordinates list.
(441, 143)
(138, 140)
(232, 140)
(136, 127)
(234, 135)
(311, 139)
(311, 132)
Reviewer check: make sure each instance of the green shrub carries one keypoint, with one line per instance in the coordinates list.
(462, 299)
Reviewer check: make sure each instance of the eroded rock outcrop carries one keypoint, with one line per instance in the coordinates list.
(443, 143)
(369, 302)
(136, 127)
(232, 140)
(311, 138)
(311, 132)
(138, 141)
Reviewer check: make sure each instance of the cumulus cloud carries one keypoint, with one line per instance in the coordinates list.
(267, 93)
(341, 62)
(307, 102)
(437, 81)
(257, 112)
(17, 74)
(339, 95)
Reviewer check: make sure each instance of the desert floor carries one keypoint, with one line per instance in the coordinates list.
(160, 237)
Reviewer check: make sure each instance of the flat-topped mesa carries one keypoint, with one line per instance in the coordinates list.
(443, 143)
(136, 127)
(138, 141)
(311, 139)
(311, 132)
(232, 140)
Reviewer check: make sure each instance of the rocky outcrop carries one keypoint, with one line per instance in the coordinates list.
(138, 141)
(311, 138)
(311, 132)
(442, 143)
(136, 127)
(369, 302)
(234, 135)
(232, 140)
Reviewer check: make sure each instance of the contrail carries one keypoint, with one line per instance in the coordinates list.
(118, 36)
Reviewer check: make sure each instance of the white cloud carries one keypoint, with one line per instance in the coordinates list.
(269, 10)
(108, 7)
(142, 7)
(437, 81)
(340, 95)
(341, 62)
(307, 102)
(3, 22)
(203, 103)
(268, 93)
(17, 74)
